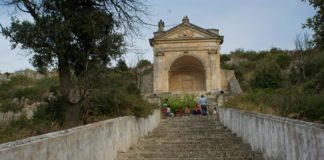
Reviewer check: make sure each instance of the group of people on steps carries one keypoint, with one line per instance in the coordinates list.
(200, 108)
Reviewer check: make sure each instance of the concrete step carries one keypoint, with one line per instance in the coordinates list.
(200, 154)
(189, 138)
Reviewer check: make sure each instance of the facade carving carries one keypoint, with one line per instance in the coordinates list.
(185, 34)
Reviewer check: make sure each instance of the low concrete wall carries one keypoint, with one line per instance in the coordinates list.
(97, 141)
(276, 137)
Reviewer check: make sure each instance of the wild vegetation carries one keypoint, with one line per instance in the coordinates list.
(113, 94)
(21, 87)
(279, 82)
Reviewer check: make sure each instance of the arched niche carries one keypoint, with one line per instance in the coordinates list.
(187, 74)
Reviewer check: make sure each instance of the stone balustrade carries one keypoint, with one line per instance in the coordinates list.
(276, 137)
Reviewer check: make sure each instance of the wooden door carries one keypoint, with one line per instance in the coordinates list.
(187, 81)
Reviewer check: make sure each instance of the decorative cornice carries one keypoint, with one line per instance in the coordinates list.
(212, 51)
(159, 53)
(186, 49)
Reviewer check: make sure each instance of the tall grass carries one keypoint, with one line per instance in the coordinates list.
(283, 102)
(23, 87)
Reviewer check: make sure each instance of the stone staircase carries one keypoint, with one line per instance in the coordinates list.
(188, 138)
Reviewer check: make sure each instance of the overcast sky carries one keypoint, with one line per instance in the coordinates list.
(248, 24)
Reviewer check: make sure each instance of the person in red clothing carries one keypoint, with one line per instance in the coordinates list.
(196, 109)
(164, 108)
(179, 112)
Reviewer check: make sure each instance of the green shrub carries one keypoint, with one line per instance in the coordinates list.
(283, 60)
(114, 104)
(115, 94)
(8, 105)
(52, 111)
(314, 63)
(132, 89)
(295, 75)
(267, 75)
(226, 66)
(177, 101)
(20, 80)
(32, 93)
(21, 86)
(248, 66)
(320, 80)
(310, 85)
(16, 129)
(224, 58)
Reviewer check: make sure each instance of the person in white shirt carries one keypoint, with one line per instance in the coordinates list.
(203, 104)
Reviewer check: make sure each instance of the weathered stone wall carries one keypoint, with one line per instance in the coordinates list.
(276, 137)
(234, 85)
(229, 82)
(97, 141)
(147, 83)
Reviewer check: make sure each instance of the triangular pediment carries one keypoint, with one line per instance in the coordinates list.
(186, 31)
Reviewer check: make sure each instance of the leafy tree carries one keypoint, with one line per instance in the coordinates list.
(283, 60)
(267, 75)
(316, 23)
(121, 65)
(314, 64)
(320, 81)
(143, 63)
(224, 58)
(76, 36)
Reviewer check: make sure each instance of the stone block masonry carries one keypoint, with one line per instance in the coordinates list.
(97, 141)
(276, 137)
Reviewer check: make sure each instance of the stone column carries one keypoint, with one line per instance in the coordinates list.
(218, 69)
(166, 79)
(158, 71)
(214, 76)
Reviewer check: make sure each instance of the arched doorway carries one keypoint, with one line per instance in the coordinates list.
(187, 74)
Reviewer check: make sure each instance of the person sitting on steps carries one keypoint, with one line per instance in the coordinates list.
(168, 112)
(164, 108)
(179, 112)
(214, 111)
(187, 110)
(196, 109)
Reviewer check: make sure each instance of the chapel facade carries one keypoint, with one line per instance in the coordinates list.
(187, 59)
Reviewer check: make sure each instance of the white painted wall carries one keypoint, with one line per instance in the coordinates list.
(97, 141)
(276, 137)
